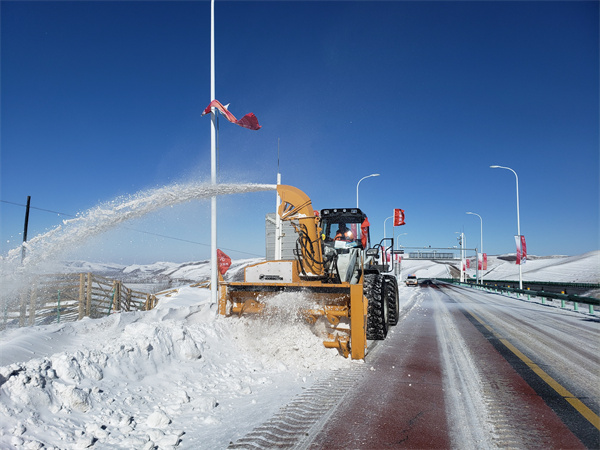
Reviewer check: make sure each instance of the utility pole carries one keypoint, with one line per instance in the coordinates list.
(25, 229)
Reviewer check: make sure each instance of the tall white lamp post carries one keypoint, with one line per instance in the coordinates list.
(398, 248)
(518, 218)
(368, 176)
(462, 242)
(481, 248)
(398, 235)
(391, 249)
(384, 222)
(214, 277)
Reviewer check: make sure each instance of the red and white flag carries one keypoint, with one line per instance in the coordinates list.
(479, 261)
(468, 263)
(485, 261)
(248, 121)
(521, 249)
(398, 217)
(224, 262)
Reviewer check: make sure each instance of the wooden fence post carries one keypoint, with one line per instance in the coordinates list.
(81, 296)
(88, 306)
(127, 299)
(117, 296)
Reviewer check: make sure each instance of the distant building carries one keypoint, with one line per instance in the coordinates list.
(288, 241)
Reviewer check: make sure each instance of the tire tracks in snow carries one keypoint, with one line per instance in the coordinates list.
(481, 402)
(466, 408)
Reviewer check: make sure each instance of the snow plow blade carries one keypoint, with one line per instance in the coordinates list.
(342, 306)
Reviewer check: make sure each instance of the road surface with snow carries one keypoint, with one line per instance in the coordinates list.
(450, 375)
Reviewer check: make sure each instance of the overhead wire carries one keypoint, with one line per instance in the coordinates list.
(133, 229)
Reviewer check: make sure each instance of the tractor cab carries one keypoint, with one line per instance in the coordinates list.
(344, 228)
(345, 232)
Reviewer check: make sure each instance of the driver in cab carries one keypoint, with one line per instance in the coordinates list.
(344, 234)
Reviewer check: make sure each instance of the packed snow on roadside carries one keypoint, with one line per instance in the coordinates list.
(180, 376)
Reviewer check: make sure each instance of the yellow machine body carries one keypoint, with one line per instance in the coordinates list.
(341, 306)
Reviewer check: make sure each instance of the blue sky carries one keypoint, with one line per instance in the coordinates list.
(104, 99)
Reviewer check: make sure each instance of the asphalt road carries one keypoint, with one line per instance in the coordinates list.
(469, 369)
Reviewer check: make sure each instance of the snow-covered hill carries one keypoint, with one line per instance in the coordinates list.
(568, 269)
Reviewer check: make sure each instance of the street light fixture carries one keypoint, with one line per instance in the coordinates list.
(518, 218)
(398, 235)
(368, 176)
(463, 244)
(384, 222)
(481, 248)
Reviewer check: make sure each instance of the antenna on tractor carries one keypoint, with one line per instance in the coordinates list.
(277, 218)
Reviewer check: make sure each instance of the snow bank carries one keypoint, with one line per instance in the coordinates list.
(175, 375)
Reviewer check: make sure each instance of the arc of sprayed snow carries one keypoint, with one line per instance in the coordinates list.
(103, 217)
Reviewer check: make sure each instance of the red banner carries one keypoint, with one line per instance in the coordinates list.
(248, 121)
(521, 250)
(479, 261)
(485, 261)
(398, 217)
(468, 263)
(224, 262)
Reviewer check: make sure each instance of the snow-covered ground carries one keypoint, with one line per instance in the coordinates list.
(566, 269)
(179, 375)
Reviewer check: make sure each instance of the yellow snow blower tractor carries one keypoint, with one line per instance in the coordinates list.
(334, 264)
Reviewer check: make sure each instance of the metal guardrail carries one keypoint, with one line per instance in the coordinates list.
(546, 286)
(575, 299)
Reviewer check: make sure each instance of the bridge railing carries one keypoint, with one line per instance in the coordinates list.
(575, 299)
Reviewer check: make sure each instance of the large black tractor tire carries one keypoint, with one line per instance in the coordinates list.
(377, 311)
(390, 292)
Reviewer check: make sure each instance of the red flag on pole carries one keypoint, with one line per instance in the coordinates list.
(479, 261)
(224, 261)
(248, 121)
(398, 217)
(521, 250)
(485, 261)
